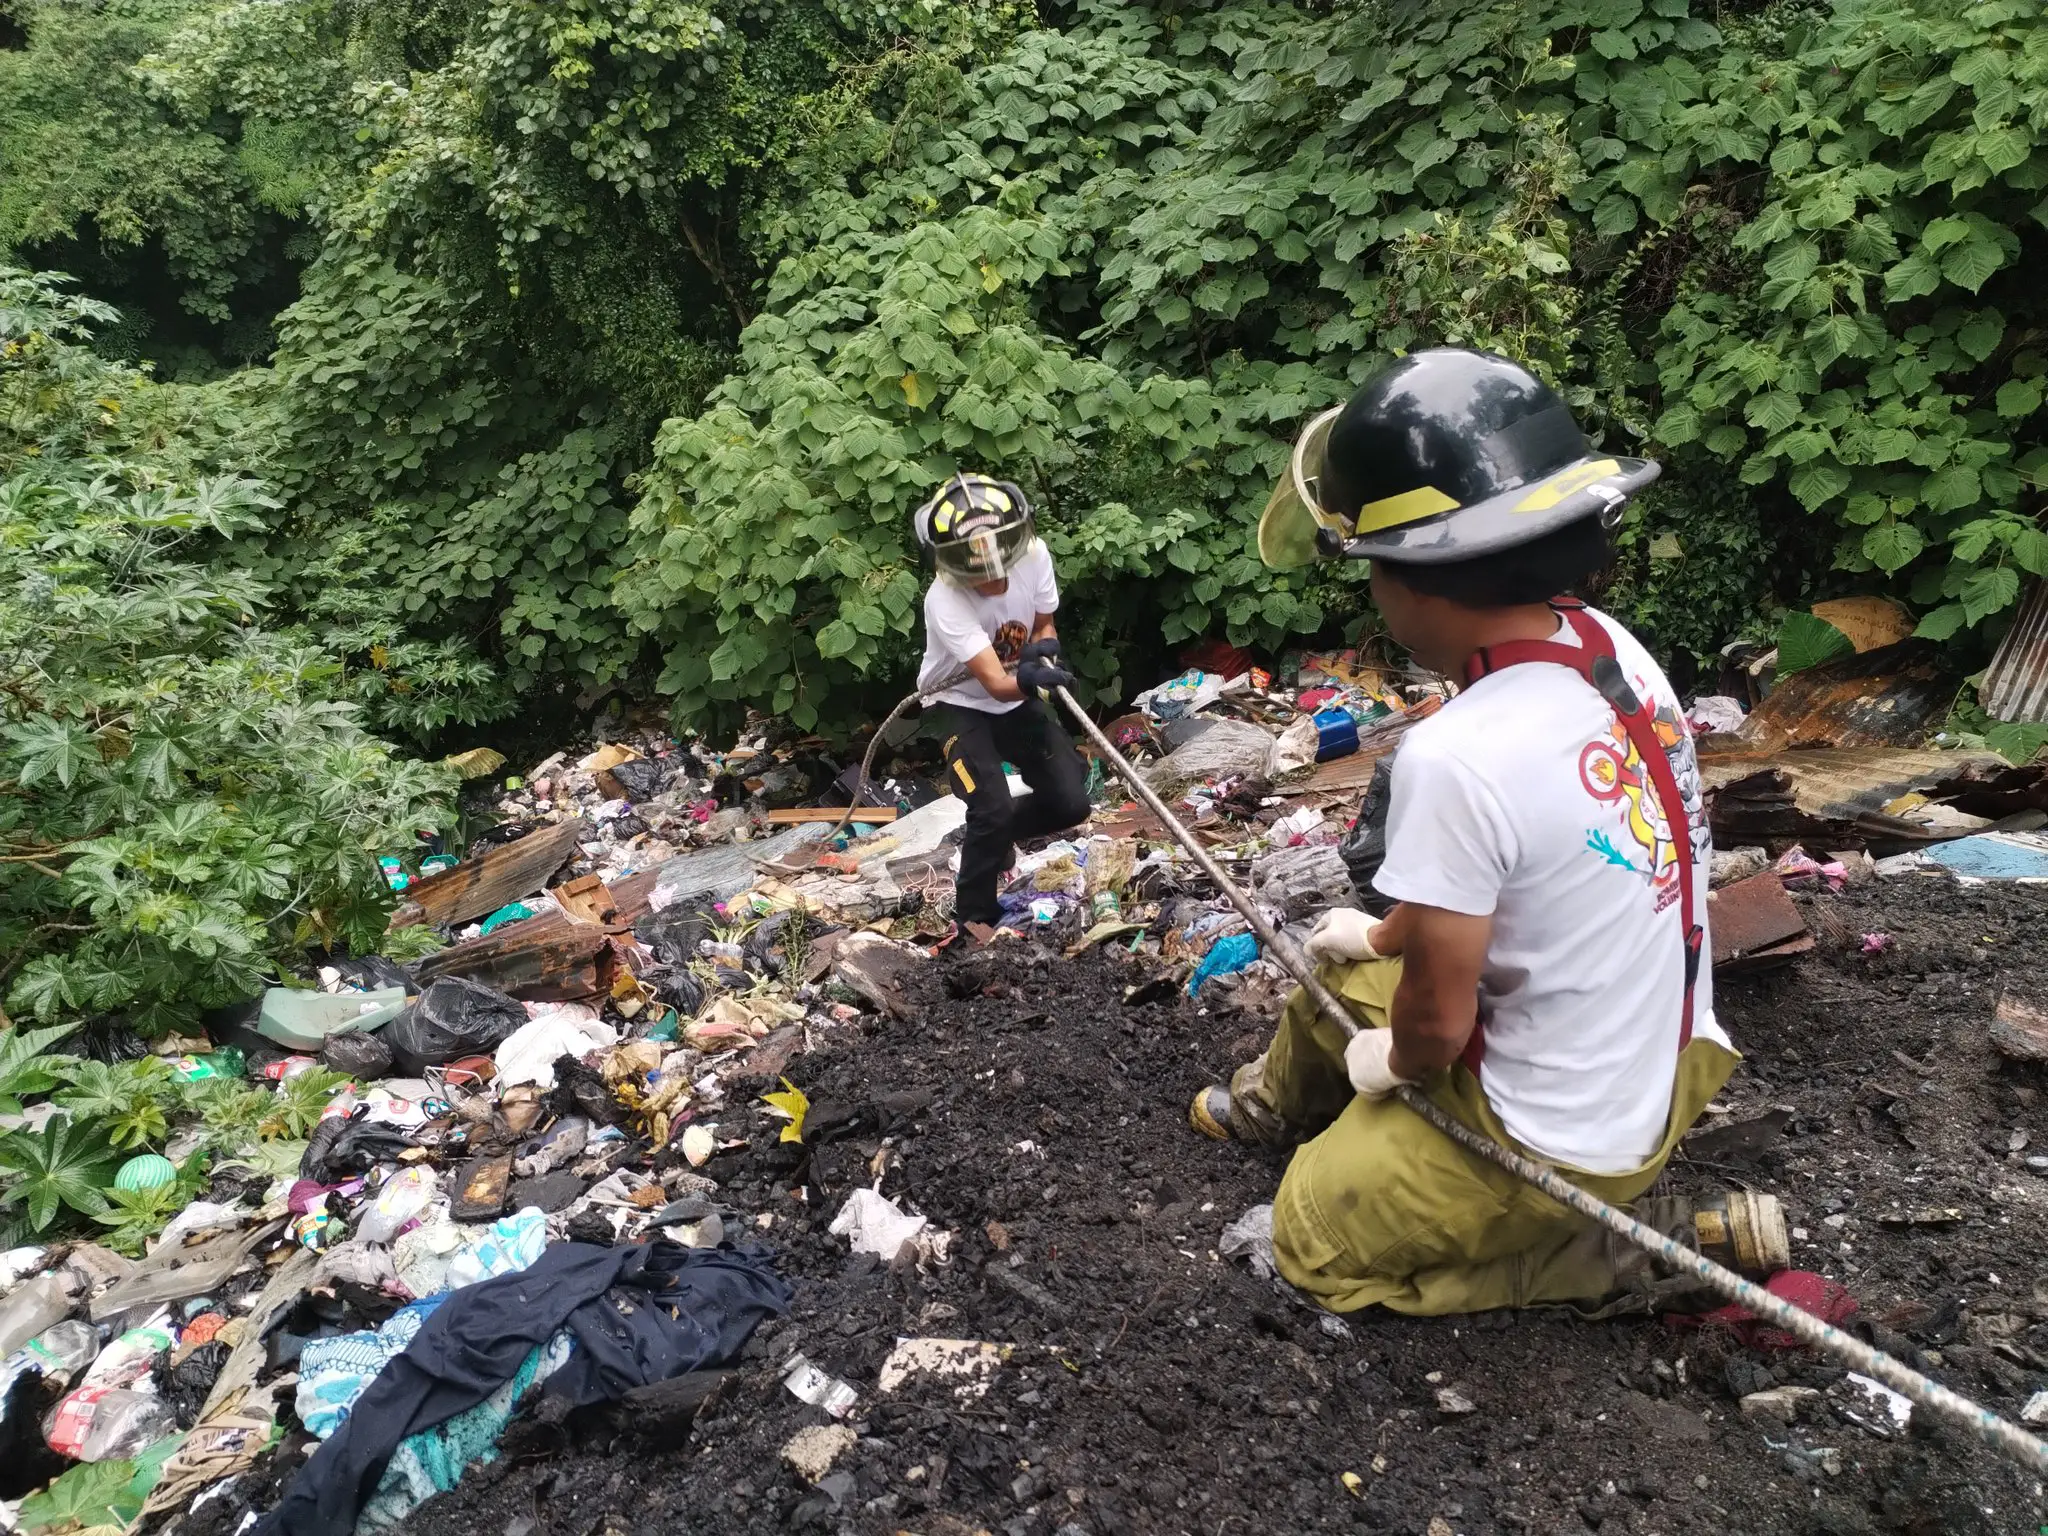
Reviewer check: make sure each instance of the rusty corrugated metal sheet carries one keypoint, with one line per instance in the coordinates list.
(1834, 797)
(1894, 696)
(480, 885)
(2016, 686)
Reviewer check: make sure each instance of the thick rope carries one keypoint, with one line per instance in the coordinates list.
(2000, 1434)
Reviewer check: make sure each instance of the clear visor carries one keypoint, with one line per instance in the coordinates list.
(1287, 528)
(985, 554)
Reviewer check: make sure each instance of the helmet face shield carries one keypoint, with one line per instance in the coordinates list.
(985, 553)
(1294, 512)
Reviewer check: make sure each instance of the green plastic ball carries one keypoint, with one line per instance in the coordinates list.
(146, 1172)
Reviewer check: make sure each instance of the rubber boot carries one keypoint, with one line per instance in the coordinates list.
(1240, 1112)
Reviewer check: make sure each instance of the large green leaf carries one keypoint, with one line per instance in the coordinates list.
(1805, 640)
(64, 1165)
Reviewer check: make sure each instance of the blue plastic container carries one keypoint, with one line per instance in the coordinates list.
(1336, 734)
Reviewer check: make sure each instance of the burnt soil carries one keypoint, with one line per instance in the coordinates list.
(1031, 1110)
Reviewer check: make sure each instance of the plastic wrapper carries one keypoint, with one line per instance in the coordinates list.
(131, 1357)
(454, 1017)
(404, 1196)
(107, 1423)
(32, 1308)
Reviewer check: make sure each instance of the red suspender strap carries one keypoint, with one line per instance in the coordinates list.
(1593, 659)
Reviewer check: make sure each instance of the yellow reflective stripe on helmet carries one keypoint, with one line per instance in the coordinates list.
(1408, 507)
(1560, 485)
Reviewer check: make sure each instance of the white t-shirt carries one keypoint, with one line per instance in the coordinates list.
(1522, 798)
(959, 624)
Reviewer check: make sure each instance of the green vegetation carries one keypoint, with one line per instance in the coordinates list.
(508, 353)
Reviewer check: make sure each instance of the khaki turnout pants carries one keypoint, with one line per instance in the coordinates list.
(1380, 1208)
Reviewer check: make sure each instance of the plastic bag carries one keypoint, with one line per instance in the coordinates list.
(132, 1356)
(371, 973)
(361, 1056)
(640, 779)
(674, 934)
(454, 1017)
(1364, 849)
(530, 1052)
(57, 1355)
(340, 1147)
(404, 1195)
(185, 1386)
(107, 1423)
(1226, 955)
(875, 1224)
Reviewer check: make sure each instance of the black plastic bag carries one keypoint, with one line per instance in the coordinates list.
(340, 1148)
(454, 1017)
(363, 1057)
(498, 836)
(640, 779)
(185, 1386)
(674, 933)
(767, 947)
(1364, 848)
(679, 988)
(373, 973)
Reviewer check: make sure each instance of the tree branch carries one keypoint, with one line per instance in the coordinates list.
(708, 259)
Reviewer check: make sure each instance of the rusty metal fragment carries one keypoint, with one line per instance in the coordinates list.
(477, 887)
(1755, 925)
(1894, 696)
(549, 958)
(2019, 1028)
(1836, 798)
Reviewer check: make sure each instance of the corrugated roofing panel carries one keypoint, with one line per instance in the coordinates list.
(2016, 687)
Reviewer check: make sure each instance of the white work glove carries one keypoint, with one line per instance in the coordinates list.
(1342, 933)
(1369, 1062)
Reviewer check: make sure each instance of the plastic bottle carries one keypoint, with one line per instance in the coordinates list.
(40, 1304)
(107, 1423)
(227, 1062)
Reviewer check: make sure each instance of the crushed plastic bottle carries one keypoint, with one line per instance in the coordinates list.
(57, 1355)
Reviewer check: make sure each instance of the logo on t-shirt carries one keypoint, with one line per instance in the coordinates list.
(1640, 838)
(1009, 643)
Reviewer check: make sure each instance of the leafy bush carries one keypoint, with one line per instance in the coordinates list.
(187, 799)
(632, 337)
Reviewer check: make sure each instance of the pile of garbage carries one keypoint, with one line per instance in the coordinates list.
(400, 1192)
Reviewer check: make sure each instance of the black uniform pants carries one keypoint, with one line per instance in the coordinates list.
(977, 745)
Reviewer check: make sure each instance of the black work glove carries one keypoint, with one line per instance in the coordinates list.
(1047, 648)
(1039, 673)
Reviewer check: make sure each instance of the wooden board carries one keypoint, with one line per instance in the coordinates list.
(868, 815)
